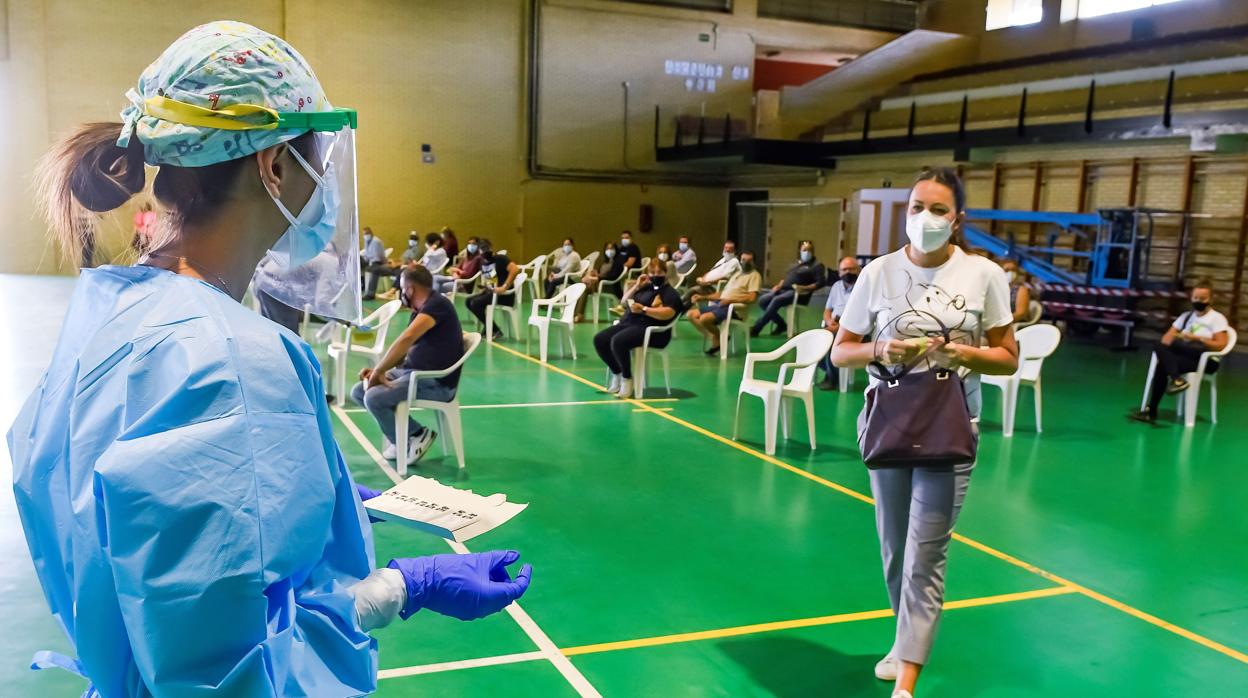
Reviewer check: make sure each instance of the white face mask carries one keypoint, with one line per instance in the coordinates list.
(624, 242)
(567, 249)
(663, 256)
(1010, 276)
(609, 253)
(684, 247)
(928, 232)
(727, 254)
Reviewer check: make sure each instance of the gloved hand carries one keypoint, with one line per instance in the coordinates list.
(466, 587)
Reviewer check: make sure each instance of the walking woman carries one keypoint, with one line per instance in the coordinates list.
(191, 518)
(907, 300)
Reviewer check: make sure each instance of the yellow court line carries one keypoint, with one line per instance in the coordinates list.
(1005, 557)
(656, 409)
(802, 623)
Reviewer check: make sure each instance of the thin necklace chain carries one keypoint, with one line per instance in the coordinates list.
(190, 262)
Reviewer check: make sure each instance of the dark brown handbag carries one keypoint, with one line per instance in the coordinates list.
(917, 419)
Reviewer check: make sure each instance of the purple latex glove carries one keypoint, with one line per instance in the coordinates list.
(366, 493)
(466, 587)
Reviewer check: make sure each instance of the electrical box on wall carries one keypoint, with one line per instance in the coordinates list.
(426, 154)
(645, 218)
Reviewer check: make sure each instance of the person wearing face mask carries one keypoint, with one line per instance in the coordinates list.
(907, 300)
(498, 273)
(1193, 333)
(650, 300)
(610, 266)
(432, 341)
(569, 261)
(724, 268)
(663, 253)
(741, 289)
(684, 256)
(1020, 295)
(376, 265)
(193, 523)
(410, 256)
(466, 269)
(838, 295)
(800, 280)
(630, 254)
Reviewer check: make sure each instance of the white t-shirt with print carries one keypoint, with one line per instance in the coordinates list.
(1206, 326)
(895, 298)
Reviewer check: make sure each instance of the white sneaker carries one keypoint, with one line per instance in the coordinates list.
(626, 388)
(886, 668)
(388, 452)
(613, 385)
(902, 693)
(418, 446)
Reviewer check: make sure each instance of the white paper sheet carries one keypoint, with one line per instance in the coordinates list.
(444, 511)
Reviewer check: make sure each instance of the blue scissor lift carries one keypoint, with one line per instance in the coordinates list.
(1113, 260)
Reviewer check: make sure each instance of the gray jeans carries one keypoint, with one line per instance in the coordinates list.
(382, 401)
(915, 510)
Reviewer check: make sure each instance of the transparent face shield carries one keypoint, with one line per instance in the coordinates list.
(315, 265)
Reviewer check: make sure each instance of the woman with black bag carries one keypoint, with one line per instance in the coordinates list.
(928, 306)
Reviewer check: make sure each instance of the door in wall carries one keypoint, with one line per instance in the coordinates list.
(747, 225)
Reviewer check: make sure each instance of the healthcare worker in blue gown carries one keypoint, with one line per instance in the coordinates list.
(191, 519)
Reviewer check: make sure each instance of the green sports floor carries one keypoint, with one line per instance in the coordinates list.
(1100, 558)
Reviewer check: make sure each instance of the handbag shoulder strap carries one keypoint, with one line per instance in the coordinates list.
(885, 373)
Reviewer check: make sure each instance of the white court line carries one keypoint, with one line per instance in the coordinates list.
(461, 664)
(546, 646)
(571, 403)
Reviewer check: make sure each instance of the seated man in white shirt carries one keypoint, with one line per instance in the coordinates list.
(741, 289)
(838, 294)
(1193, 333)
(684, 256)
(435, 257)
(723, 268)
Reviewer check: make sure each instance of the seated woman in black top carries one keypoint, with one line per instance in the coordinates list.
(498, 273)
(650, 301)
(800, 280)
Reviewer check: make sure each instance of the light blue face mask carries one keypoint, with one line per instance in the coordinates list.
(472, 249)
(806, 256)
(309, 233)
(684, 247)
(567, 249)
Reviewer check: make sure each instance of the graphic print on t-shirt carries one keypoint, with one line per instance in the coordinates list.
(923, 309)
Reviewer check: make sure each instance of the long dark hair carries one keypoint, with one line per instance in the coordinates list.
(86, 173)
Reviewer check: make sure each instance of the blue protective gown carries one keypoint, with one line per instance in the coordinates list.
(189, 513)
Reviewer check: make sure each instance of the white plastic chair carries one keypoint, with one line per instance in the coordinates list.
(638, 270)
(681, 278)
(1191, 397)
(534, 270)
(597, 296)
(811, 346)
(511, 311)
(575, 276)
(731, 324)
(379, 323)
(1035, 344)
(566, 301)
(793, 312)
(592, 258)
(448, 412)
(642, 354)
(1034, 312)
(438, 269)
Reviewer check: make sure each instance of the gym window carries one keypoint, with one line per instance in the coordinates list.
(1013, 13)
(1083, 9)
